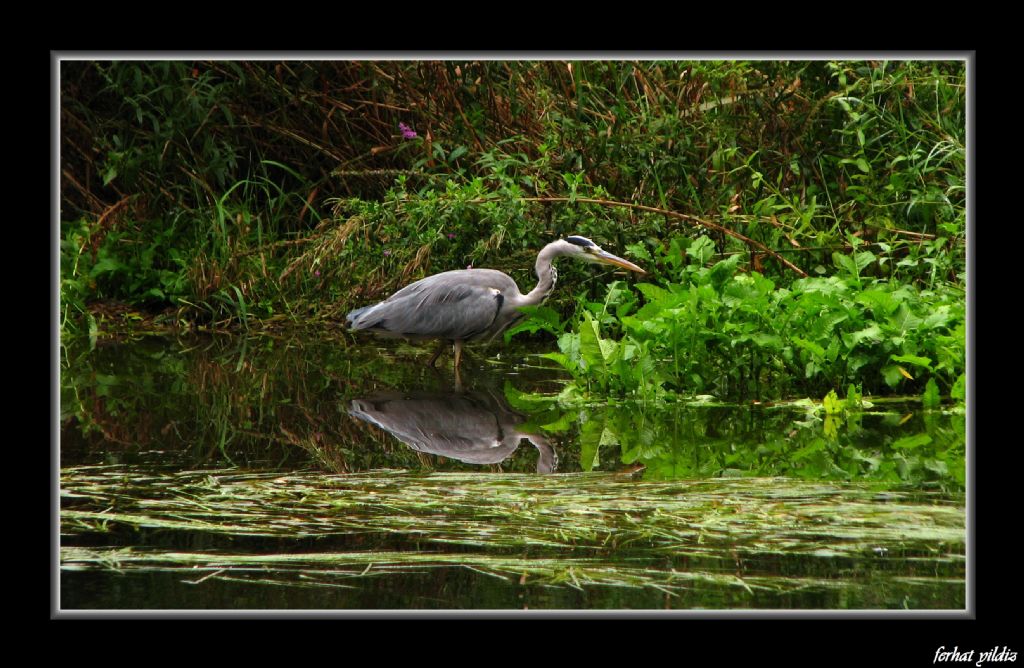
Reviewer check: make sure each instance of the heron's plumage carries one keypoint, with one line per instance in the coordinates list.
(461, 304)
(469, 304)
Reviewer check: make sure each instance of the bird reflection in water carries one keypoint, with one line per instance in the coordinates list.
(475, 427)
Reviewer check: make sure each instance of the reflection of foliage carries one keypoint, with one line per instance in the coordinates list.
(269, 402)
(245, 401)
(219, 400)
(699, 442)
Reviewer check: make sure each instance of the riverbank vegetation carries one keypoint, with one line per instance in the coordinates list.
(803, 223)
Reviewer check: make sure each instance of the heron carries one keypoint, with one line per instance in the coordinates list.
(472, 304)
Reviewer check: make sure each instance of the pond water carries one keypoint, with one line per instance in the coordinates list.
(278, 472)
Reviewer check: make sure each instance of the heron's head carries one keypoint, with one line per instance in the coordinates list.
(582, 248)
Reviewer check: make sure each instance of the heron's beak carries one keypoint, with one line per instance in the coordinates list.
(604, 257)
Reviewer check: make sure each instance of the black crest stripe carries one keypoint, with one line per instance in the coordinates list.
(580, 241)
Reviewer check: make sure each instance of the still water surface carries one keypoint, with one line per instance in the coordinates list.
(281, 473)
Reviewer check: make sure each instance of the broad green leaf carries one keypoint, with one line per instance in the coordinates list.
(569, 343)
(769, 341)
(863, 259)
(910, 442)
(653, 293)
(903, 320)
(930, 398)
(702, 249)
(959, 391)
(892, 375)
(590, 444)
(457, 153)
(639, 251)
(590, 347)
(830, 427)
(939, 317)
(916, 360)
(560, 358)
(872, 333)
(723, 271)
(104, 266)
(537, 318)
(854, 361)
(608, 349)
(608, 437)
(810, 346)
(542, 313)
(854, 398)
(845, 262)
(880, 302)
(833, 404)
(564, 422)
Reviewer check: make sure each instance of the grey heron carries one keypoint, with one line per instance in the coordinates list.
(468, 304)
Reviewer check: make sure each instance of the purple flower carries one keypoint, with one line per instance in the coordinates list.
(451, 236)
(407, 132)
(316, 273)
(387, 252)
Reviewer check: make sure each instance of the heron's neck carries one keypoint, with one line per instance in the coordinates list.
(547, 274)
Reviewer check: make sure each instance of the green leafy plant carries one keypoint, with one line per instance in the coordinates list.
(737, 334)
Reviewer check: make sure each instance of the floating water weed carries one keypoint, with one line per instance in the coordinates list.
(574, 530)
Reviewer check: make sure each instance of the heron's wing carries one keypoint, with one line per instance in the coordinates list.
(452, 305)
(485, 278)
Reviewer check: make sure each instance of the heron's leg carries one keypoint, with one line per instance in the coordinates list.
(458, 381)
(547, 458)
(437, 353)
(458, 352)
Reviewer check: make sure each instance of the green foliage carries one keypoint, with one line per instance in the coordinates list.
(538, 318)
(193, 198)
(198, 186)
(930, 398)
(854, 398)
(832, 404)
(151, 116)
(738, 335)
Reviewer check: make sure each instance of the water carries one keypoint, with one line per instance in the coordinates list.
(284, 473)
